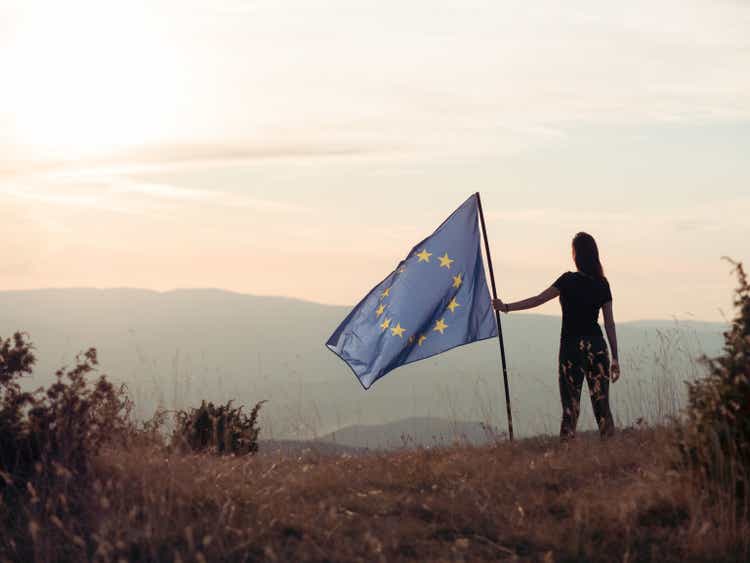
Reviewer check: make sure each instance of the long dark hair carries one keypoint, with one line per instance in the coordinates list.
(587, 255)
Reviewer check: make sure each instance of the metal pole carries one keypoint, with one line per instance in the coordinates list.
(497, 317)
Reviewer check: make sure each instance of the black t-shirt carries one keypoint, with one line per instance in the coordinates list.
(581, 297)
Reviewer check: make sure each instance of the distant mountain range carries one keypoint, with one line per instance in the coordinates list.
(176, 348)
(411, 432)
(405, 433)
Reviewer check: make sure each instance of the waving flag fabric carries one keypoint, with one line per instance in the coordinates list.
(436, 299)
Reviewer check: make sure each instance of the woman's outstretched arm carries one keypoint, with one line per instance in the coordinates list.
(609, 326)
(549, 293)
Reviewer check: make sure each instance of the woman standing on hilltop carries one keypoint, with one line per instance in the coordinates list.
(583, 351)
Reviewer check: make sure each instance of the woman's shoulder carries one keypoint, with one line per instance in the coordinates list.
(563, 280)
(583, 278)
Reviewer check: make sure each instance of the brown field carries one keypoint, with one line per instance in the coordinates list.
(536, 500)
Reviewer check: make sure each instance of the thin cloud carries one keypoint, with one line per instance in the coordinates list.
(166, 156)
(122, 194)
(160, 191)
(239, 152)
(50, 197)
(690, 218)
(173, 193)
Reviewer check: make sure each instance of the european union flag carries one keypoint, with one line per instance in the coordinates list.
(436, 299)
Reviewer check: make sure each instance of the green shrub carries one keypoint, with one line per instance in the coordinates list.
(717, 436)
(222, 429)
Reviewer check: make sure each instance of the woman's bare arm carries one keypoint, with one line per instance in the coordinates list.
(549, 293)
(609, 326)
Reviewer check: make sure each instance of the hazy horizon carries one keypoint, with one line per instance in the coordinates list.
(180, 348)
(533, 312)
(301, 150)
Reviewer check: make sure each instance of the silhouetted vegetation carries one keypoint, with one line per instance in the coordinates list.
(64, 425)
(717, 435)
(49, 439)
(219, 429)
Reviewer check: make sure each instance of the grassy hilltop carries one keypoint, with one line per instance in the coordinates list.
(82, 480)
(535, 500)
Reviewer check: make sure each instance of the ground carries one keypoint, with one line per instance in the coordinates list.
(625, 499)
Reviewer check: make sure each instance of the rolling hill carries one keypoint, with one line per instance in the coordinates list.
(176, 348)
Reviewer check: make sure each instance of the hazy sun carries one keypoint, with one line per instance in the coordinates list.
(90, 77)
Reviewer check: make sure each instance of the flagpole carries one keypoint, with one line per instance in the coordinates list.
(497, 317)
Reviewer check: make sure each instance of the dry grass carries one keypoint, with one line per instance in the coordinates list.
(536, 500)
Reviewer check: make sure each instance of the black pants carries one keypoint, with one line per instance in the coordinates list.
(584, 358)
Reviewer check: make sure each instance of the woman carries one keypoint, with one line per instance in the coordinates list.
(583, 351)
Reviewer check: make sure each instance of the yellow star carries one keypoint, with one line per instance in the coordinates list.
(422, 339)
(446, 262)
(398, 330)
(453, 304)
(458, 280)
(385, 293)
(385, 324)
(411, 339)
(440, 326)
(380, 310)
(424, 256)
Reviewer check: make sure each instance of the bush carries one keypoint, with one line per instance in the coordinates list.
(49, 439)
(63, 426)
(718, 434)
(222, 429)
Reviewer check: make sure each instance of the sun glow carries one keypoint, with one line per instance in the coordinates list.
(91, 77)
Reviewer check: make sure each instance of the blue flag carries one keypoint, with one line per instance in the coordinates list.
(436, 299)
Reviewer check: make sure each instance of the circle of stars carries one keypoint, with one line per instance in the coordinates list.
(441, 325)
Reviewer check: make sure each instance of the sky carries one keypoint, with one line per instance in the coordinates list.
(302, 148)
